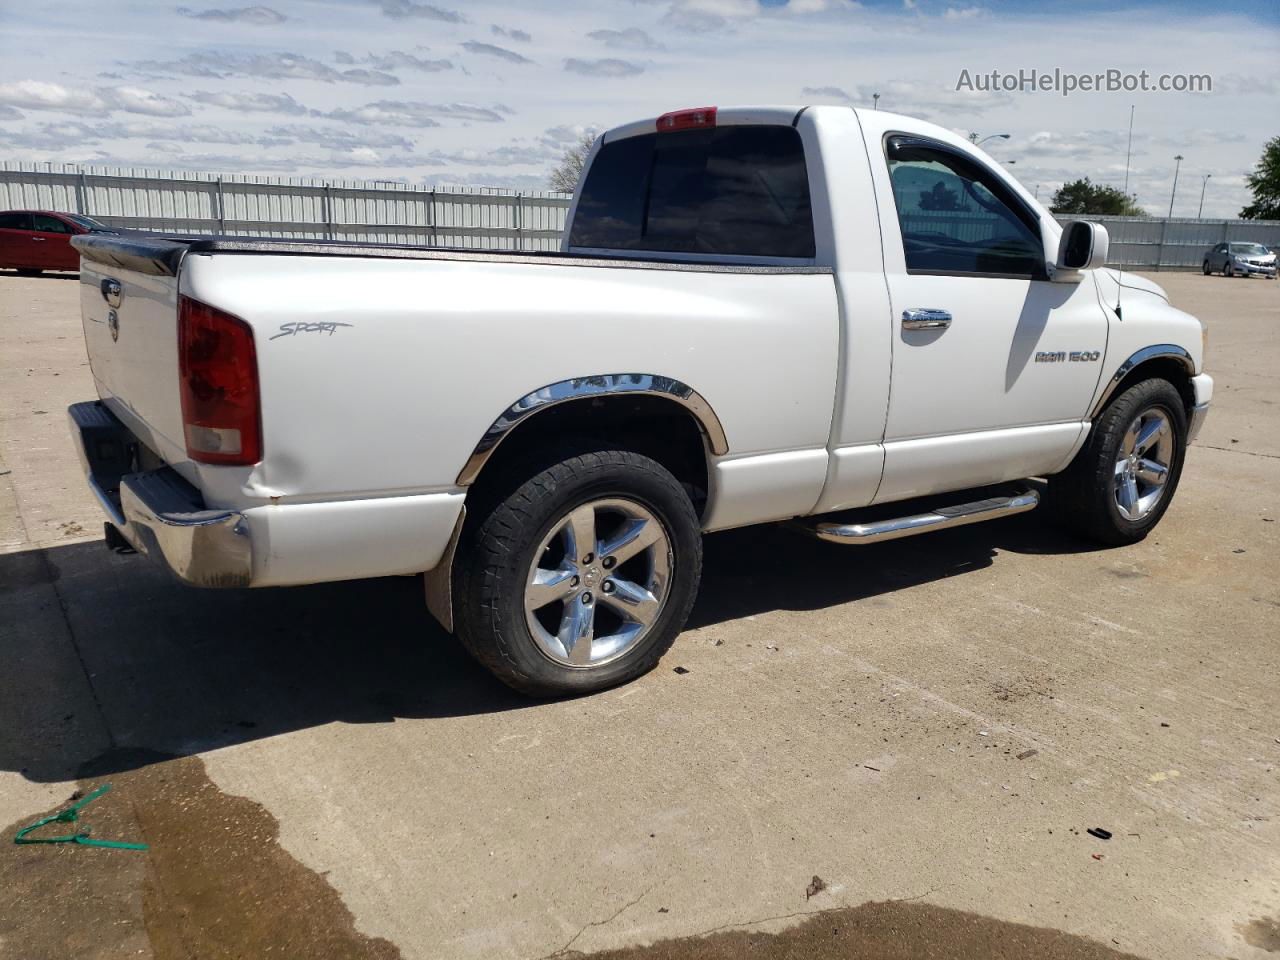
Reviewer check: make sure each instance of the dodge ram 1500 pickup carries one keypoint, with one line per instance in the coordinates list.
(844, 319)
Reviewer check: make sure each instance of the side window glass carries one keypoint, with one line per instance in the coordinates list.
(957, 217)
(47, 224)
(15, 221)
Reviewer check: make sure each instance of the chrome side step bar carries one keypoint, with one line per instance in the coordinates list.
(940, 519)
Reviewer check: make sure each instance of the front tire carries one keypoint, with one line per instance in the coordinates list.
(582, 576)
(1120, 484)
(1204, 268)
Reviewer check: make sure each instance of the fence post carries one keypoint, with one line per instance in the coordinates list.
(222, 207)
(431, 218)
(328, 211)
(1164, 227)
(82, 202)
(519, 220)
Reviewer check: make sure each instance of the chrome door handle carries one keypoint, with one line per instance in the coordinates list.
(38, 239)
(925, 319)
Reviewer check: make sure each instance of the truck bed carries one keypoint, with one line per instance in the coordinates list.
(161, 254)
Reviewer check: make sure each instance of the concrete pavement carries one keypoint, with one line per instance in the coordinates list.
(937, 720)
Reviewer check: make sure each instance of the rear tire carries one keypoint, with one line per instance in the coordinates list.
(1121, 482)
(549, 592)
(1204, 268)
(28, 271)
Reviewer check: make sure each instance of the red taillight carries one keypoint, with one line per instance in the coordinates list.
(687, 119)
(218, 370)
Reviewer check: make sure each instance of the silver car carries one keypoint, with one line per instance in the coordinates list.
(1240, 260)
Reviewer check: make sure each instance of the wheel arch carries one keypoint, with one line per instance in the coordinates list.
(1165, 360)
(632, 400)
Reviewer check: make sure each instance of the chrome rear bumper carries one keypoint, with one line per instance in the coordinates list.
(1196, 420)
(156, 511)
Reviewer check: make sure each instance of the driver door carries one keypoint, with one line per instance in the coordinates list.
(984, 386)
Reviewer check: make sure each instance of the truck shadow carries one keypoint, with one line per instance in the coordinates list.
(185, 671)
(43, 275)
(757, 569)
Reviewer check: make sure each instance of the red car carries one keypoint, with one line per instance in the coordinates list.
(35, 240)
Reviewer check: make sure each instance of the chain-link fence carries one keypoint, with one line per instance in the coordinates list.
(297, 208)
(474, 217)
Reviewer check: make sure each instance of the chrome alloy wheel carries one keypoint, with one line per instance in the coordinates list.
(1143, 463)
(598, 582)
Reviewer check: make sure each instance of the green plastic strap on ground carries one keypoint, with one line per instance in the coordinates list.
(71, 815)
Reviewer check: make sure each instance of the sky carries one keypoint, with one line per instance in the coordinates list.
(491, 92)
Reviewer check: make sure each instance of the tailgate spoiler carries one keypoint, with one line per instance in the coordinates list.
(139, 252)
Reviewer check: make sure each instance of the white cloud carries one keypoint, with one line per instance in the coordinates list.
(338, 139)
(631, 38)
(493, 50)
(512, 155)
(399, 60)
(608, 67)
(511, 33)
(828, 93)
(46, 95)
(138, 100)
(926, 99)
(219, 64)
(407, 9)
(257, 16)
(249, 102)
(416, 113)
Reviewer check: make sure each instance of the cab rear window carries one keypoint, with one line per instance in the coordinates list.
(736, 191)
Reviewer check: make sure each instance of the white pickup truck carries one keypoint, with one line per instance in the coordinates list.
(846, 319)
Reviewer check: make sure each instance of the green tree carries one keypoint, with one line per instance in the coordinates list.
(1083, 197)
(1265, 184)
(565, 176)
(940, 198)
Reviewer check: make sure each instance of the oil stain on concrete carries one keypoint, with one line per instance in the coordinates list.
(215, 883)
(1263, 933)
(892, 930)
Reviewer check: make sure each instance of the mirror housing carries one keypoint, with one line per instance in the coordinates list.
(1084, 246)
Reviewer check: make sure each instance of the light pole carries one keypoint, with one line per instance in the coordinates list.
(973, 138)
(875, 101)
(1174, 192)
(1203, 183)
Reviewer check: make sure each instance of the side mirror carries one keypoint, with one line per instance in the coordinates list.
(1084, 246)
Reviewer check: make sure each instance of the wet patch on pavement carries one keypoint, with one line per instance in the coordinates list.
(214, 883)
(892, 930)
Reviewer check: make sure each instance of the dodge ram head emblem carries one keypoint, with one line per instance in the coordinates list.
(113, 324)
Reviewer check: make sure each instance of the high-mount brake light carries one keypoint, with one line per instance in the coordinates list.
(218, 374)
(687, 119)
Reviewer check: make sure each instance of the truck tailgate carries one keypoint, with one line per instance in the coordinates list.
(130, 314)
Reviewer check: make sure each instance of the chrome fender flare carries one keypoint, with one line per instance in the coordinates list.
(579, 388)
(1156, 351)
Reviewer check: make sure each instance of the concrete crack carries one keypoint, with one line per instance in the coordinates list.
(1247, 453)
(599, 923)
